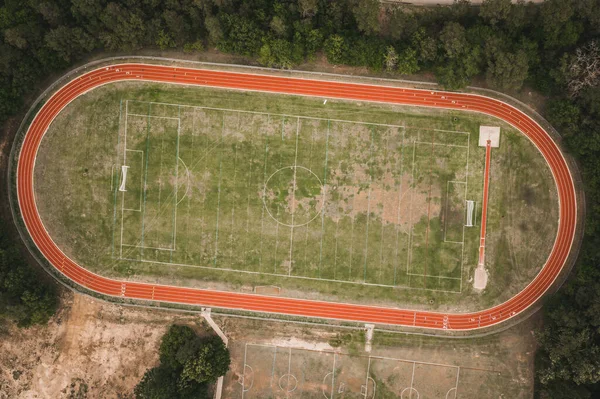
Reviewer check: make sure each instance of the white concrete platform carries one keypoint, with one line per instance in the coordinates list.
(491, 133)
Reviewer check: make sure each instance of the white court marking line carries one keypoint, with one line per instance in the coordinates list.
(367, 379)
(446, 211)
(262, 216)
(233, 202)
(285, 275)
(412, 379)
(123, 192)
(219, 192)
(153, 116)
(386, 160)
(462, 263)
(300, 116)
(400, 195)
(147, 247)
(174, 231)
(293, 199)
(441, 144)
(160, 172)
(323, 202)
(310, 157)
(410, 225)
(187, 188)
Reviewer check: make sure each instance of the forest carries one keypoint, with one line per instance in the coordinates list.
(552, 49)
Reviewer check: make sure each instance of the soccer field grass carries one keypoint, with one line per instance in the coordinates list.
(239, 189)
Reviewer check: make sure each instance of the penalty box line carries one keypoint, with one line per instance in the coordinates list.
(462, 243)
(143, 178)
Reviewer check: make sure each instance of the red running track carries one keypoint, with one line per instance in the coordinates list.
(486, 191)
(306, 87)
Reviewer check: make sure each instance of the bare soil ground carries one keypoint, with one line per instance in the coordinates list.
(91, 349)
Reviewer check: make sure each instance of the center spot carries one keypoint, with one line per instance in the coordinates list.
(293, 196)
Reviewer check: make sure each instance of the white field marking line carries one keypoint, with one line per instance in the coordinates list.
(333, 374)
(244, 373)
(399, 202)
(187, 171)
(219, 192)
(325, 384)
(387, 143)
(442, 144)
(462, 260)
(410, 228)
(115, 195)
(367, 379)
(141, 179)
(412, 379)
(147, 247)
(273, 366)
(374, 387)
(244, 379)
(248, 183)
(310, 157)
(112, 176)
(262, 216)
(368, 207)
(160, 172)
(324, 200)
(465, 108)
(146, 177)
(176, 264)
(282, 115)
(123, 193)
(432, 276)
(175, 201)
(153, 116)
(438, 130)
(352, 227)
(276, 244)
(293, 198)
(188, 217)
(446, 211)
(456, 385)
(233, 202)
(287, 394)
(337, 226)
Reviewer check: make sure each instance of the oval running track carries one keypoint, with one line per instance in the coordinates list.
(304, 87)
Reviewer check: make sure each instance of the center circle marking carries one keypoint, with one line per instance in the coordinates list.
(289, 381)
(293, 196)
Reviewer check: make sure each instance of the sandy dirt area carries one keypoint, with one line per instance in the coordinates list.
(91, 349)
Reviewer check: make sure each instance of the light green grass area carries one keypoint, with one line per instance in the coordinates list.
(343, 201)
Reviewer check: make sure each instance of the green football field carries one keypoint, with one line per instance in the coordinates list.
(241, 190)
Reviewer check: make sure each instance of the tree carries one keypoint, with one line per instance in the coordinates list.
(157, 383)
(454, 40)
(336, 49)
(407, 62)
(366, 13)
(583, 70)
(390, 59)
(70, 43)
(276, 53)
(308, 8)
(507, 71)
(209, 363)
(425, 45)
(188, 363)
(175, 338)
(495, 11)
